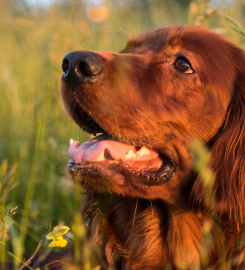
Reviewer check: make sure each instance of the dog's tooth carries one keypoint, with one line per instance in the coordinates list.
(130, 154)
(71, 142)
(143, 151)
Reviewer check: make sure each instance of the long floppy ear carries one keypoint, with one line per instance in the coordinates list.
(228, 157)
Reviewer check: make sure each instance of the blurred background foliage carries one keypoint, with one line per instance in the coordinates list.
(35, 194)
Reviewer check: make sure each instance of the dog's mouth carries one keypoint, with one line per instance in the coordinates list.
(104, 153)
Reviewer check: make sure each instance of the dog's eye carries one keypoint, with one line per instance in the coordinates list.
(183, 65)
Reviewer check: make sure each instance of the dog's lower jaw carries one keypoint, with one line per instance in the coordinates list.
(137, 234)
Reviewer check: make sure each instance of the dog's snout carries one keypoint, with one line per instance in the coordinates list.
(80, 66)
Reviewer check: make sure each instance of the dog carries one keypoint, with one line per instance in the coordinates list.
(145, 206)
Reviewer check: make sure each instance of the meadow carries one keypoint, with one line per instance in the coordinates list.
(35, 194)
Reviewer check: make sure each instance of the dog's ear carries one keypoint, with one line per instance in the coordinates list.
(228, 155)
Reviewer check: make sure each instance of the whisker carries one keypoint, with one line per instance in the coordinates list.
(137, 64)
(117, 30)
(136, 205)
(144, 115)
(151, 208)
(144, 131)
(119, 133)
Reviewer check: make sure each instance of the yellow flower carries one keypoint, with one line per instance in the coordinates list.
(56, 236)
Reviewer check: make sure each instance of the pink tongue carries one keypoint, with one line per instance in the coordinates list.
(92, 149)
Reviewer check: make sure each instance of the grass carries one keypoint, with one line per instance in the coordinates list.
(35, 194)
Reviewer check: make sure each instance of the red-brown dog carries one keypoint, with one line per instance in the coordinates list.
(149, 100)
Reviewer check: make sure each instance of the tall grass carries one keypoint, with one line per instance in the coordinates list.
(35, 129)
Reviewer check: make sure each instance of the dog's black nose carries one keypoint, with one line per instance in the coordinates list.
(80, 66)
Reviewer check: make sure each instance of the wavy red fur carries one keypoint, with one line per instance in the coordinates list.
(143, 97)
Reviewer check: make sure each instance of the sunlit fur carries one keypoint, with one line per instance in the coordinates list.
(142, 99)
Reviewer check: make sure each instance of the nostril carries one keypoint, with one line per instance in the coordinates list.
(65, 65)
(89, 67)
(84, 69)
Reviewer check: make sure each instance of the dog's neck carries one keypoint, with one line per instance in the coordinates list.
(134, 237)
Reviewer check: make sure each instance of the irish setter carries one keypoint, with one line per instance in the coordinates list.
(144, 204)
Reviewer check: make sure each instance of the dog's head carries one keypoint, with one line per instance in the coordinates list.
(164, 88)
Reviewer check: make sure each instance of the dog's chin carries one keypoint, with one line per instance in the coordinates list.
(105, 164)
